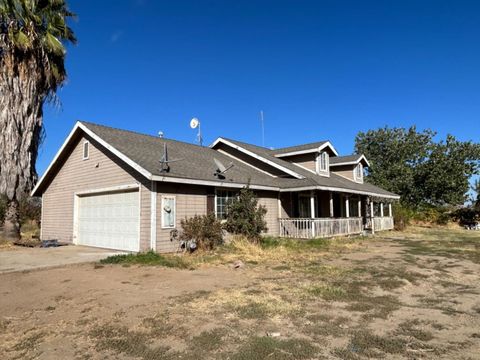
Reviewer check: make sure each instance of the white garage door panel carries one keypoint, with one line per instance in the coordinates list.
(109, 221)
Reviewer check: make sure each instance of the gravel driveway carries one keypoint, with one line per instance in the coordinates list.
(40, 258)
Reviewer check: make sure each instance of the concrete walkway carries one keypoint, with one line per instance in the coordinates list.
(41, 258)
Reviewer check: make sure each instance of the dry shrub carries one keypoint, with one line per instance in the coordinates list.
(205, 230)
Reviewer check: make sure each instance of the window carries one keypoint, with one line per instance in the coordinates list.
(359, 172)
(223, 199)
(86, 150)
(322, 162)
(168, 212)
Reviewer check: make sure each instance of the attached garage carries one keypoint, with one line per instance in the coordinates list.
(109, 220)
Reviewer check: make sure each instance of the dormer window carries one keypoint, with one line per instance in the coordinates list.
(323, 163)
(358, 172)
(86, 150)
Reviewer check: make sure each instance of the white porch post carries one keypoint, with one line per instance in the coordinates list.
(279, 203)
(153, 216)
(347, 212)
(359, 207)
(331, 205)
(390, 209)
(381, 209)
(347, 206)
(312, 211)
(372, 216)
(312, 204)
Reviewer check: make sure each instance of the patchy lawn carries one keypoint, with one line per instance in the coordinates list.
(397, 295)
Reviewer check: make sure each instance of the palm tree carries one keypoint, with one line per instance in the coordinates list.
(33, 34)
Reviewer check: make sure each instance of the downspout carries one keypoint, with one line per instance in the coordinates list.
(153, 216)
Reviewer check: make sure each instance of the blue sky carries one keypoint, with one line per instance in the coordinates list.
(318, 69)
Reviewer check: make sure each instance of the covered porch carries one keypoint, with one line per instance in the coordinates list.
(320, 214)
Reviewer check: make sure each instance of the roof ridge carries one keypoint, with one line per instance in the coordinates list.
(305, 144)
(139, 133)
(243, 142)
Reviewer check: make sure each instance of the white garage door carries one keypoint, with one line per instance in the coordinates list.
(109, 221)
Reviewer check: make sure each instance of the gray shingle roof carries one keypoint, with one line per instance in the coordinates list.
(344, 159)
(197, 162)
(314, 145)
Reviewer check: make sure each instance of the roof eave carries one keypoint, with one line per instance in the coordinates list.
(339, 189)
(355, 162)
(81, 127)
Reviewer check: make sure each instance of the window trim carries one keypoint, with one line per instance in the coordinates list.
(87, 144)
(318, 162)
(174, 198)
(355, 172)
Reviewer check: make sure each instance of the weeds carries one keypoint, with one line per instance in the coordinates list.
(148, 258)
(263, 348)
(410, 328)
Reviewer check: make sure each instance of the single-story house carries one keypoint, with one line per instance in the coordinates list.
(119, 189)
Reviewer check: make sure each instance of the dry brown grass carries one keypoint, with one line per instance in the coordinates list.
(326, 298)
(246, 303)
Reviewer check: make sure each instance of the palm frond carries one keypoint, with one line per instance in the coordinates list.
(37, 29)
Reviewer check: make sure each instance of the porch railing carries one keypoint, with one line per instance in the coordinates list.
(383, 223)
(320, 227)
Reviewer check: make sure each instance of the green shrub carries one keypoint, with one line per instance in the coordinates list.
(444, 217)
(147, 258)
(402, 216)
(245, 217)
(30, 209)
(205, 230)
(466, 216)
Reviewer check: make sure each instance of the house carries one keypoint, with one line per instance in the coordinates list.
(119, 189)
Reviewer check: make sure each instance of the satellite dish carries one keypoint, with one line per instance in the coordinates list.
(194, 123)
(221, 169)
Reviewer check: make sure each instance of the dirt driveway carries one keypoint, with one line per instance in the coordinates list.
(21, 259)
(403, 296)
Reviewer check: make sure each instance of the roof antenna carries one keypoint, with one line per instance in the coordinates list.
(164, 161)
(195, 123)
(263, 128)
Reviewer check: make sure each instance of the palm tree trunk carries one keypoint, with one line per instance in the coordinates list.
(11, 224)
(21, 119)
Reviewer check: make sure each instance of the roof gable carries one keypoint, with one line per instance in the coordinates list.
(259, 153)
(304, 149)
(349, 160)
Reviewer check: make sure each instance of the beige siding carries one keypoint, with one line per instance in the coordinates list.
(270, 201)
(345, 171)
(307, 161)
(190, 200)
(76, 175)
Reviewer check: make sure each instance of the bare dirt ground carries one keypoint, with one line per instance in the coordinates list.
(412, 295)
